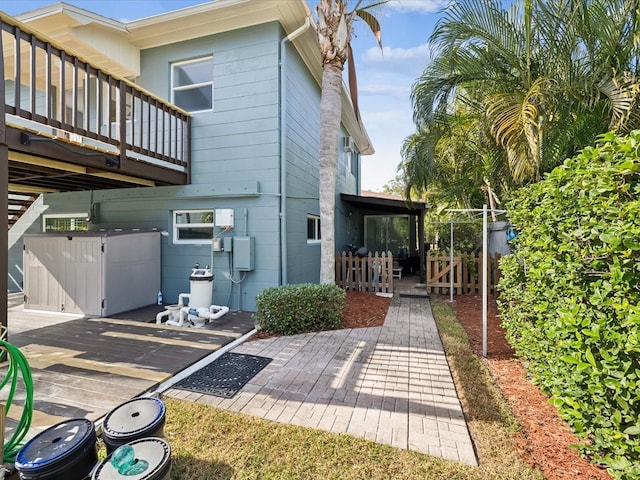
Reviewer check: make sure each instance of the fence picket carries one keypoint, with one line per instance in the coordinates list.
(372, 273)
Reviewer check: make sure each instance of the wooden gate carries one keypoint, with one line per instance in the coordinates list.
(466, 272)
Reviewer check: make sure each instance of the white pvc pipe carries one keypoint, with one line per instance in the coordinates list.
(161, 315)
(451, 264)
(484, 279)
(181, 298)
(169, 310)
(212, 313)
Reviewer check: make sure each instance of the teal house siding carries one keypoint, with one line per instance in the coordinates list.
(235, 165)
(256, 133)
(302, 102)
(302, 107)
(347, 218)
(151, 209)
(239, 138)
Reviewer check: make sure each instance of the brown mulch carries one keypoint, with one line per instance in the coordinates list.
(363, 310)
(548, 443)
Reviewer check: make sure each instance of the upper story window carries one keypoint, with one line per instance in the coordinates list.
(313, 229)
(192, 84)
(351, 155)
(352, 162)
(193, 226)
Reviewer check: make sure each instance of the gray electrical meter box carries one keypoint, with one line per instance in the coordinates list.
(243, 248)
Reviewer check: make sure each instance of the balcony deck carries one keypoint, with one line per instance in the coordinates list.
(69, 126)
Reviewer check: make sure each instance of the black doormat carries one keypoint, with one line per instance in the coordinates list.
(225, 376)
(415, 295)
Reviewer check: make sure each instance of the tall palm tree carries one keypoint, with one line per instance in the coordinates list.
(335, 26)
(447, 167)
(544, 76)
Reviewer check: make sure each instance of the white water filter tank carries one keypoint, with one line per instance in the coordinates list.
(201, 283)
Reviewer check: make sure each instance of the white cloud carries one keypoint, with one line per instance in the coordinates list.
(421, 52)
(419, 6)
(409, 61)
(400, 92)
(380, 168)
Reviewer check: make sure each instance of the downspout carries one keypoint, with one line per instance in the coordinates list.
(283, 151)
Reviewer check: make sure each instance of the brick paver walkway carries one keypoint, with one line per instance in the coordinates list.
(389, 384)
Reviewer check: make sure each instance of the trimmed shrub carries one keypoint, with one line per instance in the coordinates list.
(570, 295)
(292, 309)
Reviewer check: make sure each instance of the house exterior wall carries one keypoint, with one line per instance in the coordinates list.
(241, 133)
(151, 208)
(235, 165)
(347, 221)
(302, 122)
(302, 144)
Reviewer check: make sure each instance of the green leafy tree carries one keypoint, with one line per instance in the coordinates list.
(335, 28)
(569, 296)
(448, 169)
(539, 80)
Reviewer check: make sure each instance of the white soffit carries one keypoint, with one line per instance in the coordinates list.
(92, 37)
(215, 17)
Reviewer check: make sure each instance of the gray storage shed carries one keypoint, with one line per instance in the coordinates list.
(93, 273)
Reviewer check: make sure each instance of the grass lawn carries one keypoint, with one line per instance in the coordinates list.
(208, 443)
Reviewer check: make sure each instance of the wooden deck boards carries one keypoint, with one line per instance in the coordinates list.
(84, 367)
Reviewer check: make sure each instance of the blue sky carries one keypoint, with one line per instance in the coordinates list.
(384, 77)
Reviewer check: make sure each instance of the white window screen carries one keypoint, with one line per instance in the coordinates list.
(193, 226)
(192, 84)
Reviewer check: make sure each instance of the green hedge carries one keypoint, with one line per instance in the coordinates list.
(570, 295)
(292, 309)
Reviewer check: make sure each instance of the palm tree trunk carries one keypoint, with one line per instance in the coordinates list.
(330, 114)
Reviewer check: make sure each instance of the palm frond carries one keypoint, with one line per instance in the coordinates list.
(541, 79)
(372, 22)
(621, 94)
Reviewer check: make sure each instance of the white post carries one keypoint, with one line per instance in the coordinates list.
(451, 264)
(484, 279)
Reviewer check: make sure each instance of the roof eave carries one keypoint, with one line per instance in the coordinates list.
(80, 16)
(144, 33)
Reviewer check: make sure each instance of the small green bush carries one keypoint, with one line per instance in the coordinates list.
(292, 309)
(570, 295)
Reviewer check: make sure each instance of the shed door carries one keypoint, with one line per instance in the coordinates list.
(82, 276)
(63, 274)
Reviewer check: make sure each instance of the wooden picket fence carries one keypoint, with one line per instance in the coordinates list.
(466, 271)
(373, 273)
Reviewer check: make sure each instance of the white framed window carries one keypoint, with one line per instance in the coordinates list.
(313, 229)
(192, 84)
(350, 162)
(353, 163)
(65, 222)
(193, 226)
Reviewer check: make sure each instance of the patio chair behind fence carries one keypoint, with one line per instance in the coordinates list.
(467, 273)
(373, 273)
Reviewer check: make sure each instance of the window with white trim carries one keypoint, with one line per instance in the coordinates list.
(192, 84)
(313, 229)
(193, 226)
(65, 222)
